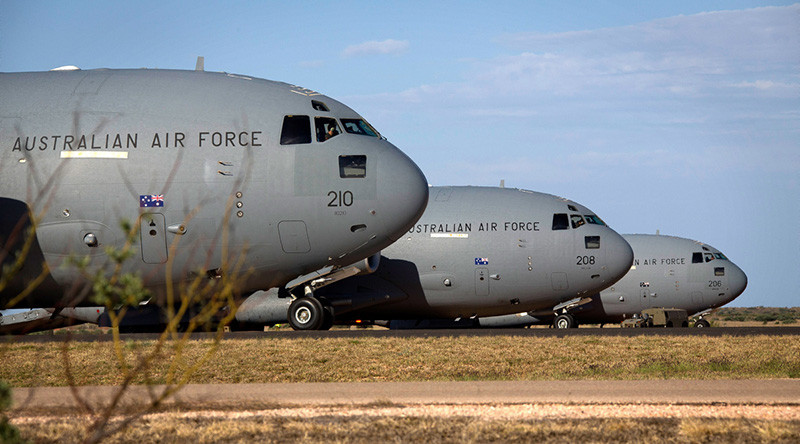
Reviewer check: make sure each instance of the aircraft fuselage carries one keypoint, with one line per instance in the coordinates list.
(208, 168)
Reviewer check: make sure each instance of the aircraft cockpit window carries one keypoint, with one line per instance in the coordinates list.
(577, 220)
(592, 242)
(719, 271)
(360, 127)
(697, 258)
(720, 256)
(709, 256)
(571, 207)
(319, 106)
(326, 128)
(296, 130)
(352, 166)
(594, 220)
(560, 221)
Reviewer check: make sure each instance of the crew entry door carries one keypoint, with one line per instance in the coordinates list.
(481, 282)
(152, 232)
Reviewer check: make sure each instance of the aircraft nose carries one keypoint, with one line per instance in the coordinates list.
(737, 281)
(402, 191)
(619, 256)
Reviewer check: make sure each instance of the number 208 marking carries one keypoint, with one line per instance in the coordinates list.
(340, 198)
(585, 260)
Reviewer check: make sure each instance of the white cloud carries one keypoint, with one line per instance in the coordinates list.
(718, 90)
(374, 47)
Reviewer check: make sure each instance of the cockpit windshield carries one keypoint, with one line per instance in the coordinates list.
(720, 256)
(594, 220)
(577, 220)
(360, 127)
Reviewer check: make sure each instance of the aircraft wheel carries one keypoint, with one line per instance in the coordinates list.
(327, 322)
(306, 313)
(702, 323)
(564, 321)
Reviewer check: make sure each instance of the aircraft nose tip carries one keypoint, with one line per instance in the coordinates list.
(403, 190)
(620, 256)
(737, 281)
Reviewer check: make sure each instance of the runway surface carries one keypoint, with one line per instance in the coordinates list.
(379, 333)
(785, 392)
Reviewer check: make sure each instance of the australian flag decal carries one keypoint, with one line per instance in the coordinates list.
(481, 261)
(151, 200)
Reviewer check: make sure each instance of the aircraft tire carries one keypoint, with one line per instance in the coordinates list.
(564, 321)
(306, 313)
(702, 323)
(327, 323)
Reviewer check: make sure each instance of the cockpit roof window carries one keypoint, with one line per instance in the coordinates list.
(296, 130)
(360, 127)
(594, 220)
(577, 220)
(326, 128)
(571, 207)
(319, 106)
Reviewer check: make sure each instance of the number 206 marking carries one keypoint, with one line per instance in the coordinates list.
(340, 198)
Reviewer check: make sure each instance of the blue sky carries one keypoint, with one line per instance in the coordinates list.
(680, 116)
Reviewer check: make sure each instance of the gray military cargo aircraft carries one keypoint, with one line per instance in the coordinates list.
(207, 166)
(667, 272)
(476, 251)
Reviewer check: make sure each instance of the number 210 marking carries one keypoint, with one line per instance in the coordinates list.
(340, 198)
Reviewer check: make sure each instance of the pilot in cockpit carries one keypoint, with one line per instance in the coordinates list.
(331, 132)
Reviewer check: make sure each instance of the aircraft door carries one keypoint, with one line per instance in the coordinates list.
(294, 236)
(647, 299)
(152, 232)
(481, 282)
(697, 298)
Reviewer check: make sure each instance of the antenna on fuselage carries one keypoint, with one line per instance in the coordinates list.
(502, 183)
(200, 65)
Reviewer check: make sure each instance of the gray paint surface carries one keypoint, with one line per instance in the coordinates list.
(80, 148)
(663, 275)
(476, 251)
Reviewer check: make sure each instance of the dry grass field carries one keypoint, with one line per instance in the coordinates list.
(420, 359)
(179, 428)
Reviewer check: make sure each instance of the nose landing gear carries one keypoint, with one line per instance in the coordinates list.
(564, 321)
(308, 313)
